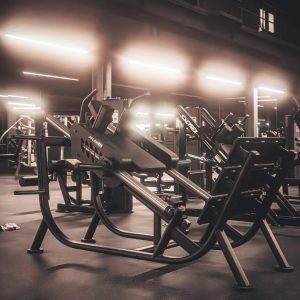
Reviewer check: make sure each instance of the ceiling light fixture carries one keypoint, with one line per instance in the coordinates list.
(17, 96)
(243, 97)
(152, 66)
(26, 108)
(49, 76)
(268, 100)
(21, 104)
(142, 126)
(262, 88)
(223, 80)
(141, 113)
(13, 96)
(165, 115)
(264, 96)
(46, 44)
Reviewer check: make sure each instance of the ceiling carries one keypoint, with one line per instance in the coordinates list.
(72, 23)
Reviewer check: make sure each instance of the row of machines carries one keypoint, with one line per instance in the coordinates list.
(216, 139)
(18, 153)
(118, 156)
(203, 147)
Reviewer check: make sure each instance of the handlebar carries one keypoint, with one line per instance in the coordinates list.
(84, 105)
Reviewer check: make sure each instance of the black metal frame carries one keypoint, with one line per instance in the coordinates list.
(71, 204)
(118, 167)
(272, 153)
(287, 214)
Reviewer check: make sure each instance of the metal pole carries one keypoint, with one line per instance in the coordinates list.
(255, 111)
(252, 111)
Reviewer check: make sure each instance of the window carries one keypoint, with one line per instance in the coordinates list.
(266, 21)
(271, 22)
(262, 19)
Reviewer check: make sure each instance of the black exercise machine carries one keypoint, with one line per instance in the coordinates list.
(19, 153)
(59, 171)
(218, 140)
(111, 156)
(288, 212)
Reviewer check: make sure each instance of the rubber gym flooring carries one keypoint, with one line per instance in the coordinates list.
(65, 273)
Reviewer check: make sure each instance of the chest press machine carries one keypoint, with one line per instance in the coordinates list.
(113, 155)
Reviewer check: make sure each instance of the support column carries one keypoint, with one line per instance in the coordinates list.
(3, 120)
(102, 77)
(97, 78)
(107, 77)
(252, 111)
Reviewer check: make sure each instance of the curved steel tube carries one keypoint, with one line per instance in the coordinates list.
(113, 228)
(64, 239)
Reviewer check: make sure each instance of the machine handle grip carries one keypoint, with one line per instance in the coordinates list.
(244, 119)
(84, 105)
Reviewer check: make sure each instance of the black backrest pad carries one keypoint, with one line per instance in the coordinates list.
(269, 157)
(117, 148)
(270, 153)
(268, 148)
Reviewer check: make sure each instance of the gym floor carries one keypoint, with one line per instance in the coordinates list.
(65, 273)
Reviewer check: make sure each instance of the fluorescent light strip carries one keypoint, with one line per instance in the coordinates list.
(165, 115)
(266, 96)
(140, 113)
(243, 97)
(265, 100)
(21, 104)
(151, 66)
(13, 96)
(209, 77)
(142, 126)
(235, 98)
(262, 88)
(42, 43)
(268, 100)
(16, 96)
(49, 76)
(26, 108)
